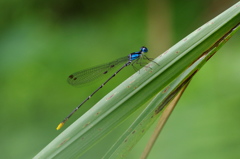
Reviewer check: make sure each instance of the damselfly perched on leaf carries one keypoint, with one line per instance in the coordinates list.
(89, 75)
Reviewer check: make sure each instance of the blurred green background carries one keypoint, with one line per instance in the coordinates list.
(42, 42)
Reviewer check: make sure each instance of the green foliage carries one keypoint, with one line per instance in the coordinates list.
(42, 42)
(149, 88)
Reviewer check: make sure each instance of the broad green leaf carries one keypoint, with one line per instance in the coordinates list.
(154, 86)
(160, 102)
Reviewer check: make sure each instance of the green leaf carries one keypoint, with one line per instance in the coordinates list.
(154, 86)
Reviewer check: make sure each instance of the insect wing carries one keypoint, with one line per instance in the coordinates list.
(92, 74)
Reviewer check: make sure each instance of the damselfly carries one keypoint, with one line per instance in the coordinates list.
(88, 75)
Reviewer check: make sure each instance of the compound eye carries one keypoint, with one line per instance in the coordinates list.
(144, 49)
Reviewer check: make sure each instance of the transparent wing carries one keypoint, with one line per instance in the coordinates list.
(92, 74)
